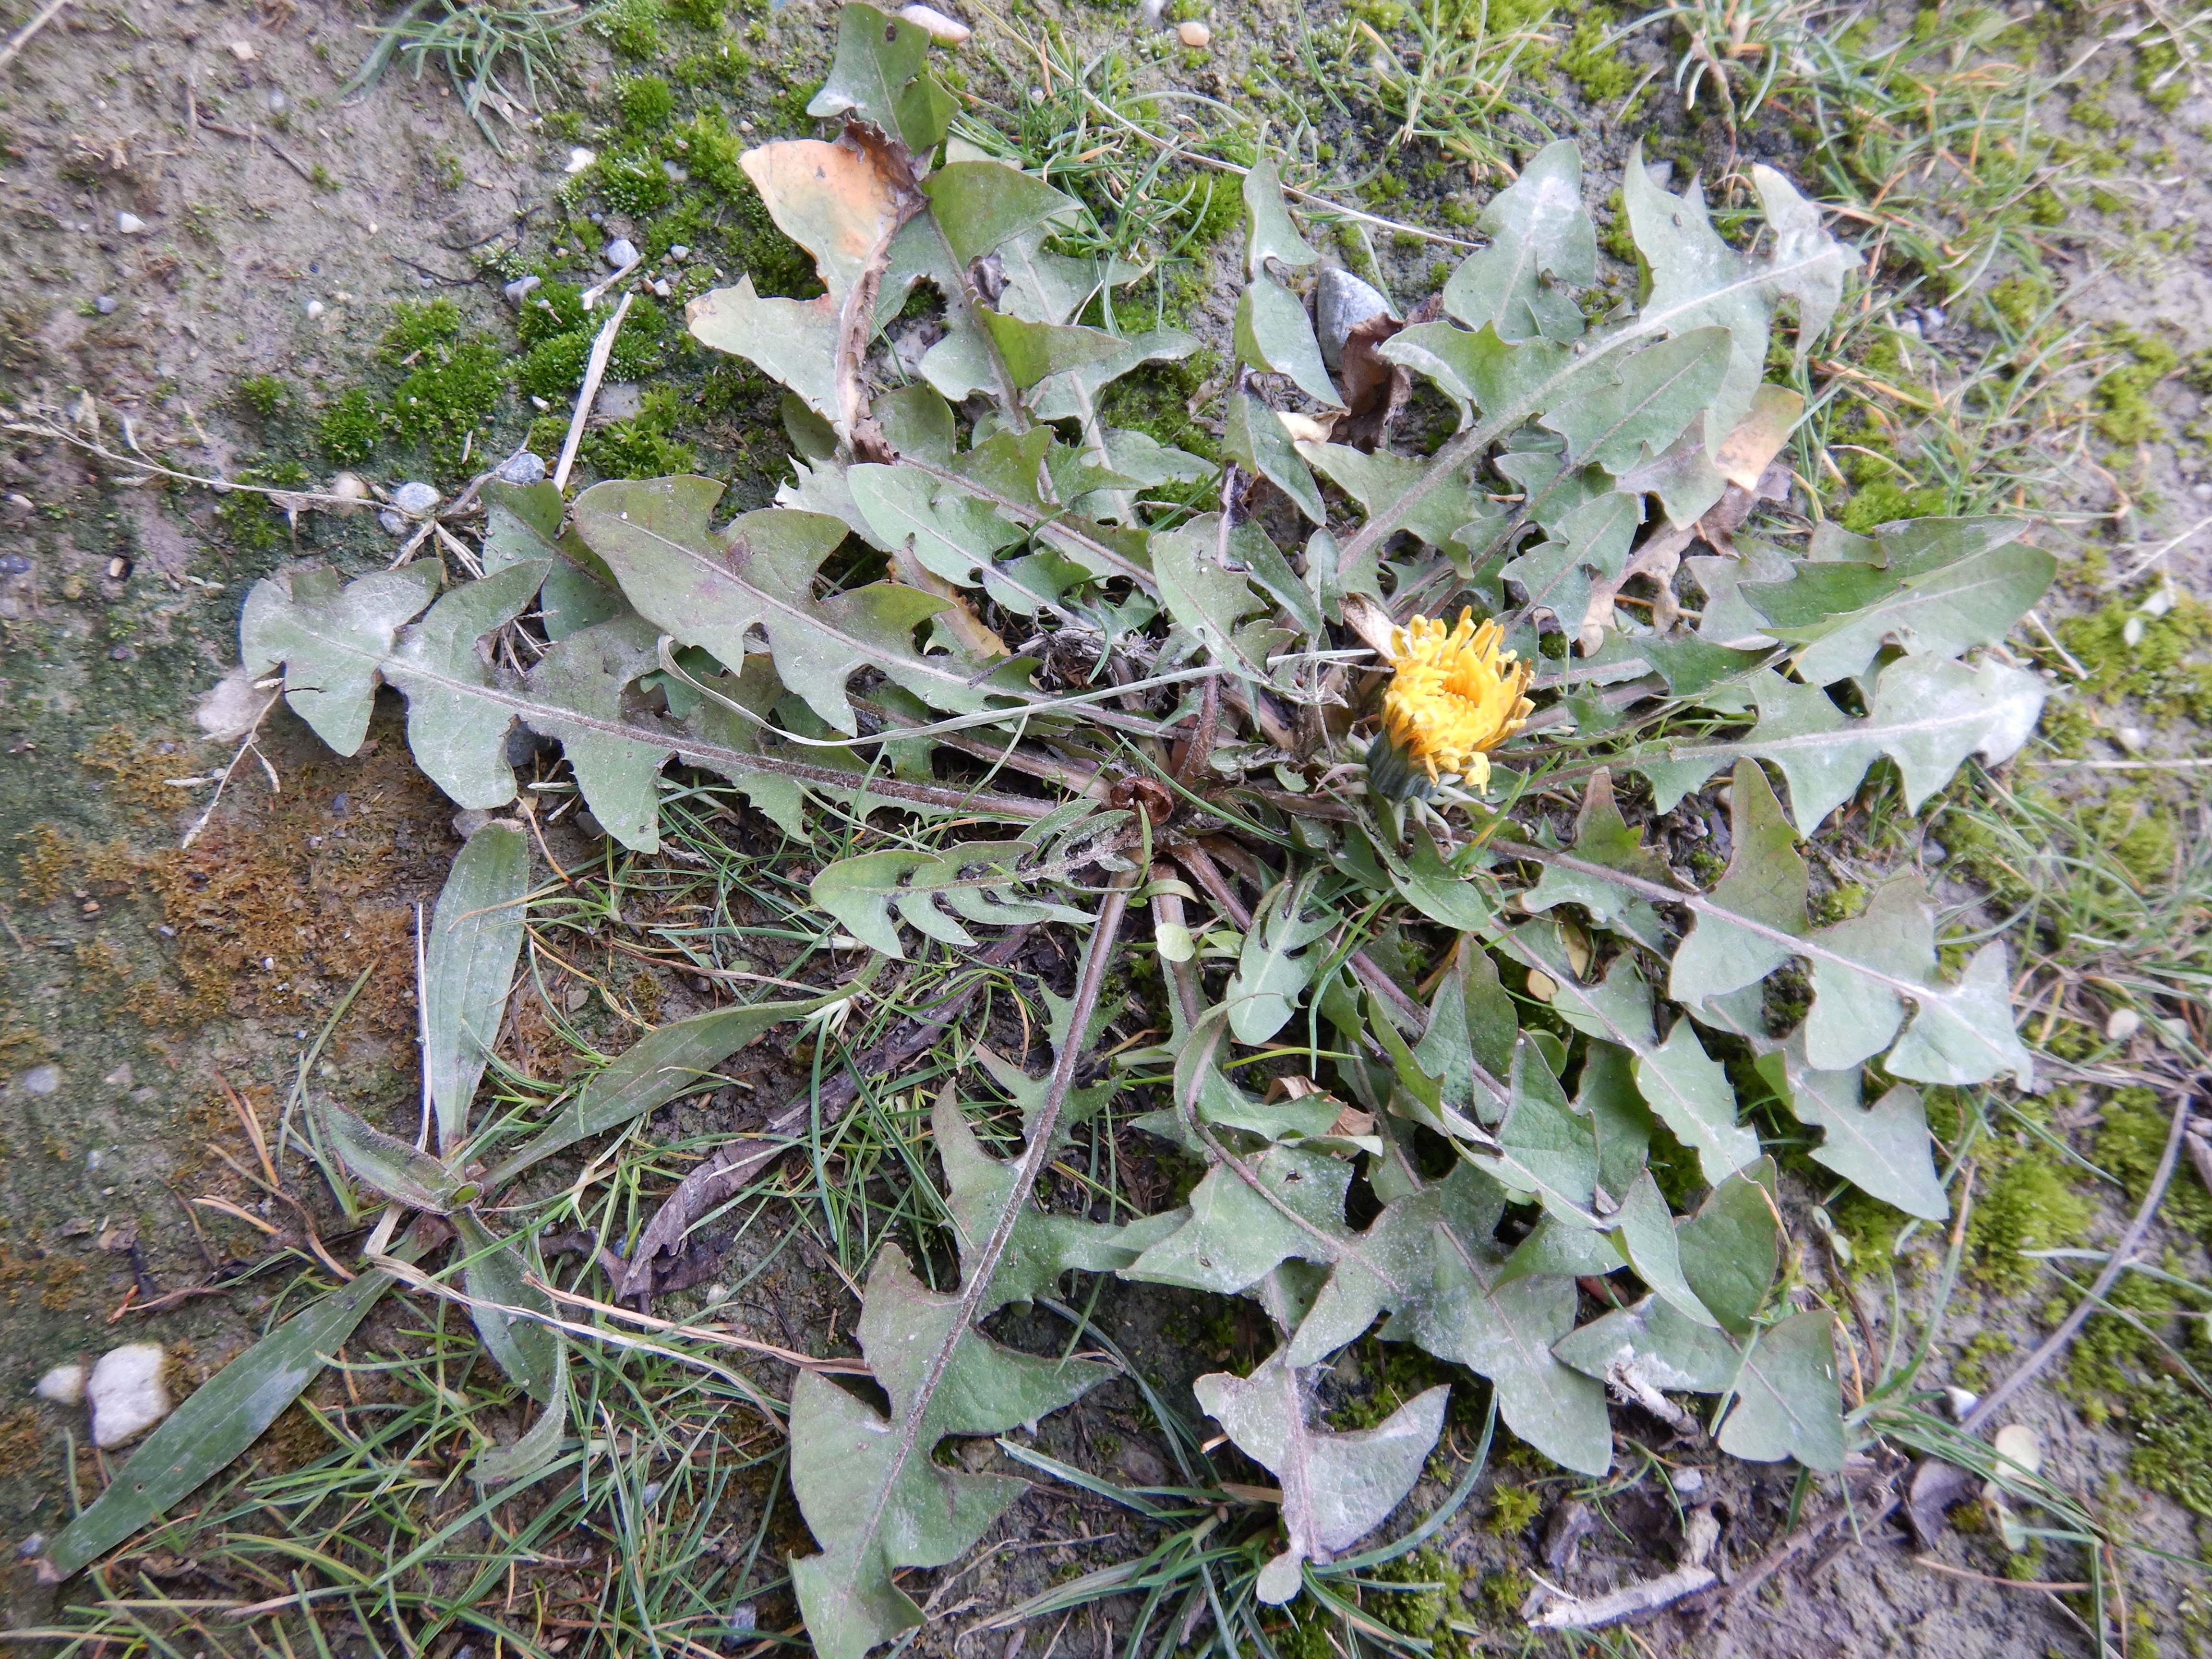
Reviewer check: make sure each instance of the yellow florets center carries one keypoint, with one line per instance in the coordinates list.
(1454, 696)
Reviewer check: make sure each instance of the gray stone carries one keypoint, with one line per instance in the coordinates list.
(415, 498)
(521, 468)
(1341, 302)
(105, 305)
(130, 224)
(393, 524)
(517, 290)
(524, 745)
(42, 1080)
(620, 252)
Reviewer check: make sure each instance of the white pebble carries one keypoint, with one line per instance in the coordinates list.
(680, 251)
(350, 486)
(392, 523)
(126, 1393)
(130, 223)
(2123, 1024)
(415, 498)
(620, 252)
(660, 287)
(1961, 1401)
(64, 1385)
(2020, 1446)
(1193, 34)
(42, 1079)
(315, 308)
(578, 159)
(948, 31)
(1689, 1482)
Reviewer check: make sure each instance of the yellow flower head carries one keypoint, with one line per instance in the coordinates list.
(1454, 696)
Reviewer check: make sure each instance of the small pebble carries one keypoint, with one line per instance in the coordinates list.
(2020, 1446)
(578, 159)
(1193, 34)
(620, 252)
(121, 1078)
(33, 1546)
(126, 1393)
(2123, 1024)
(415, 498)
(42, 1080)
(64, 1385)
(2202, 491)
(679, 252)
(2133, 738)
(15, 564)
(521, 468)
(1036, 94)
(130, 223)
(1960, 1400)
(315, 308)
(661, 288)
(392, 523)
(1689, 1482)
(1154, 13)
(1933, 851)
(243, 50)
(947, 31)
(105, 305)
(275, 101)
(742, 1619)
(349, 486)
(521, 287)
(1341, 302)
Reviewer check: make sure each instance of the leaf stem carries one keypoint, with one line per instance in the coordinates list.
(1098, 959)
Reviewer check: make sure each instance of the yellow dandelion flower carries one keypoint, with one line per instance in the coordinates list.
(1454, 696)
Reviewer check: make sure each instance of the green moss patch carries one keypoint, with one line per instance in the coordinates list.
(2030, 1205)
(2169, 665)
(2122, 395)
